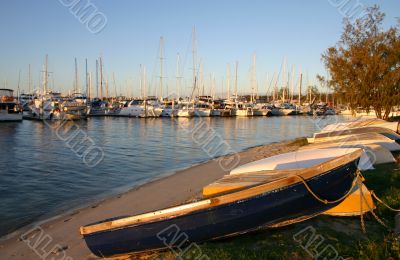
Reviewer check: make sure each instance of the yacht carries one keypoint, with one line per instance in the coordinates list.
(45, 107)
(261, 110)
(202, 109)
(74, 108)
(242, 109)
(10, 109)
(140, 108)
(169, 110)
(185, 110)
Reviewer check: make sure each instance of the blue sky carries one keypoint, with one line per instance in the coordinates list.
(227, 31)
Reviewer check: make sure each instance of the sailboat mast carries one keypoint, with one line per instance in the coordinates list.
(253, 78)
(275, 80)
(201, 83)
(228, 80)
(178, 74)
(46, 75)
(86, 77)
(90, 86)
(284, 81)
(140, 81)
(300, 85)
(292, 84)
(101, 78)
(161, 66)
(115, 85)
(194, 59)
(236, 79)
(267, 87)
(29, 80)
(97, 78)
(144, 90)
(76, 77)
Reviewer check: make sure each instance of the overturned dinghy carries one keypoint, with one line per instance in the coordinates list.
(327, 136)
(266, 170)
(364, 139)
(280, 201)
(394, 126)
(378, 148)
(299, 160)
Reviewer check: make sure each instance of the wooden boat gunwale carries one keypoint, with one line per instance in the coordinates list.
(355, 124)
(305, 173)
(352, 131)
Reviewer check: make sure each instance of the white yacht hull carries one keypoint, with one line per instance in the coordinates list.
(202, 112)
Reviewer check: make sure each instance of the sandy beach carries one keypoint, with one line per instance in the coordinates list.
(183, 186)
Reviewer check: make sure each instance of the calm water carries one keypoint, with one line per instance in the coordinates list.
(41, 176)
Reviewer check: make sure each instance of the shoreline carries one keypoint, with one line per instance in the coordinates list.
(60, 212)
(168, 190)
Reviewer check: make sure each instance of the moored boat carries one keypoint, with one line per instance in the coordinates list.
(279, 202)
(10, 109)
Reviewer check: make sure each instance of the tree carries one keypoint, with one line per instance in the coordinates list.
(365, 64)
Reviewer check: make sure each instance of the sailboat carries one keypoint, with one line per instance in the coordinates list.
(143, 107)
(241, 109)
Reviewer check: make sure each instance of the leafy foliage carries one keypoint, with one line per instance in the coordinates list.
(365, 64)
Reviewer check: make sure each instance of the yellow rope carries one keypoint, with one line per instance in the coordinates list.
(373, 213)
(361, 206)
(324, 200)
(386, 205)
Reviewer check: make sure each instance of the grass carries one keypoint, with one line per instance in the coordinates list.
(342, 234)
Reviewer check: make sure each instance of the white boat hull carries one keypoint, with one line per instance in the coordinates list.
(202, 112)
(300, 160)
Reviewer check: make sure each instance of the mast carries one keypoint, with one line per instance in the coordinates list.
(236, 79)
(19, 81)
(101, 78)
(140, 81)
(107, 88)
(300, 85)
(292, 84)
(274, 80)
(46, 74)
(161, 66)
(284, 81)
(267, 87)
(115, 85)
(194, 59)
(201, 80)
(97, 78)
(178, 74)
(76, 77)
(86, 77)
(253, 78)
(90, 86)
(29, 80)
(228, 80)
(144, 89)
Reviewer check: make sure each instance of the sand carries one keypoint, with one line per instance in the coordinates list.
(182, 186)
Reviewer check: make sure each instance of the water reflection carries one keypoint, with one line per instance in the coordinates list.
(40, 175)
